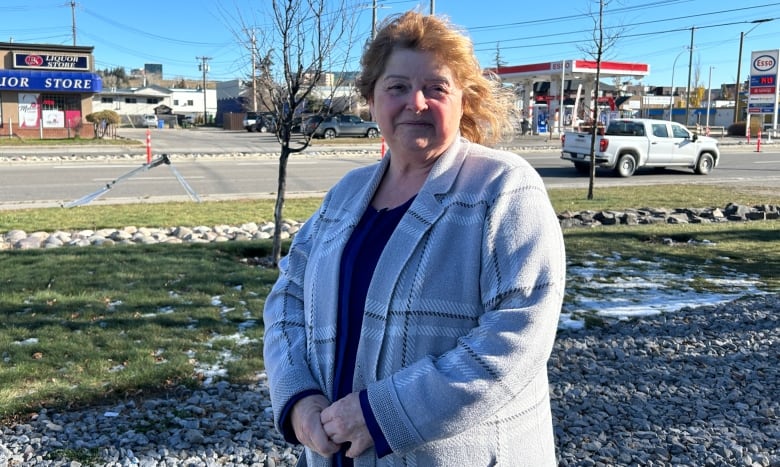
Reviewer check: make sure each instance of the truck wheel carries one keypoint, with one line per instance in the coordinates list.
(626, 165)
(330, 133)
(705, 164)
(582, 167)
(372, 133)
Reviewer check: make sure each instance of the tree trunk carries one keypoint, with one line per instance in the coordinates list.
(595, 130)
(279, 206)
(594, 134)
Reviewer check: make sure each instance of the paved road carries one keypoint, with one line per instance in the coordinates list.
(54, 182)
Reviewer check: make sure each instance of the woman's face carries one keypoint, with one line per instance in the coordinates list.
(417, 104)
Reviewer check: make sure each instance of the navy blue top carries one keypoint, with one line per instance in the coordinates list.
(358, 262)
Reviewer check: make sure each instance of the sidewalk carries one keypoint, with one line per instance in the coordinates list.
(136, 146)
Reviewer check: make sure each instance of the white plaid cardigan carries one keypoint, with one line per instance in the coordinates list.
(460, 316)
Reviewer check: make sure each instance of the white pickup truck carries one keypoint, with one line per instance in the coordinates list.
(628, 144)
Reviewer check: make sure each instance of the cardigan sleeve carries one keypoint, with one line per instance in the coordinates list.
(284, 340)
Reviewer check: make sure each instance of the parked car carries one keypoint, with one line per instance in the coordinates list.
(339, 125)
(249, 121)
(311, 123)
(628, 144)
(264, 122)
(150, 121)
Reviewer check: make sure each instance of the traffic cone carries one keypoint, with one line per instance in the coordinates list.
(148, 146)
(758, 141)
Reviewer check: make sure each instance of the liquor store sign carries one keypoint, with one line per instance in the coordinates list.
(49, 81)
(46, 61)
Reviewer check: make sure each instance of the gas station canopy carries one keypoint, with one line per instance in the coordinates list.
(556, 73)
(572, 69)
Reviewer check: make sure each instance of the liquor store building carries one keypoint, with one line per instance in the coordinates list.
(46, 90)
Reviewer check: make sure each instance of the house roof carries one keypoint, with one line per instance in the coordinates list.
(146, 91)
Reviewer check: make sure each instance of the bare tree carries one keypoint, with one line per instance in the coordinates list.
(499, 60)
(600, 43)
(304, 43)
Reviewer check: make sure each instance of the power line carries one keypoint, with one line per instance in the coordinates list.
(643, 34)
(569, 33)
(569, 17)
(125, 27)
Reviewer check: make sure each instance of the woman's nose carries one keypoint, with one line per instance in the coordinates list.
(417, 102)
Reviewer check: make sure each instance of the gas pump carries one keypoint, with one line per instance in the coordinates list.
(540, 119)
(568, 115)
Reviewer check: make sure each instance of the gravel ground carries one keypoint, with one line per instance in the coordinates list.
(698, 386)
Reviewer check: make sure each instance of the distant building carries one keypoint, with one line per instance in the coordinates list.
(170, 105)
(233, 97)
(46, 90)
(153, 69)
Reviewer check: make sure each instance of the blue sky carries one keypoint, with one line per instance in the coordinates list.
(175, 32)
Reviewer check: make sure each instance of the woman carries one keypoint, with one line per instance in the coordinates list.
(415, 312)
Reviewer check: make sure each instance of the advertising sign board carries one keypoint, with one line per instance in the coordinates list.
(763, 93)
(50, 61)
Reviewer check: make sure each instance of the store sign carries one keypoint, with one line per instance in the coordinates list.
(763, 94)
(44, 61)
(19, 80)
(764, 63)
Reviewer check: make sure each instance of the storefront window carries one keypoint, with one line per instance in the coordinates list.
(60, 102)
(60, 110)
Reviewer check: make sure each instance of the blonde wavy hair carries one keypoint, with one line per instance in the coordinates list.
(486, 105)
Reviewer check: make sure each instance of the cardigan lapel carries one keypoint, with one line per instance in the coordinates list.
(424, 211)
(346, 208)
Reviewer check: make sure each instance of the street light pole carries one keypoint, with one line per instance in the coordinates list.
(739, 63)
(671, 89)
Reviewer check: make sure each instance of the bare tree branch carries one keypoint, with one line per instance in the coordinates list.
(600, 45)
(304, 42)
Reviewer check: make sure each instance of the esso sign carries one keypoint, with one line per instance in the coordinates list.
(764, 63)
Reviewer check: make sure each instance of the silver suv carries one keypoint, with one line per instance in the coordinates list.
(340, 125)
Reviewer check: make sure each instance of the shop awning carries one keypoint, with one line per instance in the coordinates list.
(50, 81)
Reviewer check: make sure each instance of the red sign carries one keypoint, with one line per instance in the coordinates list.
(764, 90)
(33, 60)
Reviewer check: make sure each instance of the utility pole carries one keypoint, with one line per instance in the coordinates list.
(433, 4)
(73, 20)
(254, 72)
(739, 63)
(204, 67)
(373, 21)
(688, 89)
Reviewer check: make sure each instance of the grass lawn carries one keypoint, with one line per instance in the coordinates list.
(83, 324)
